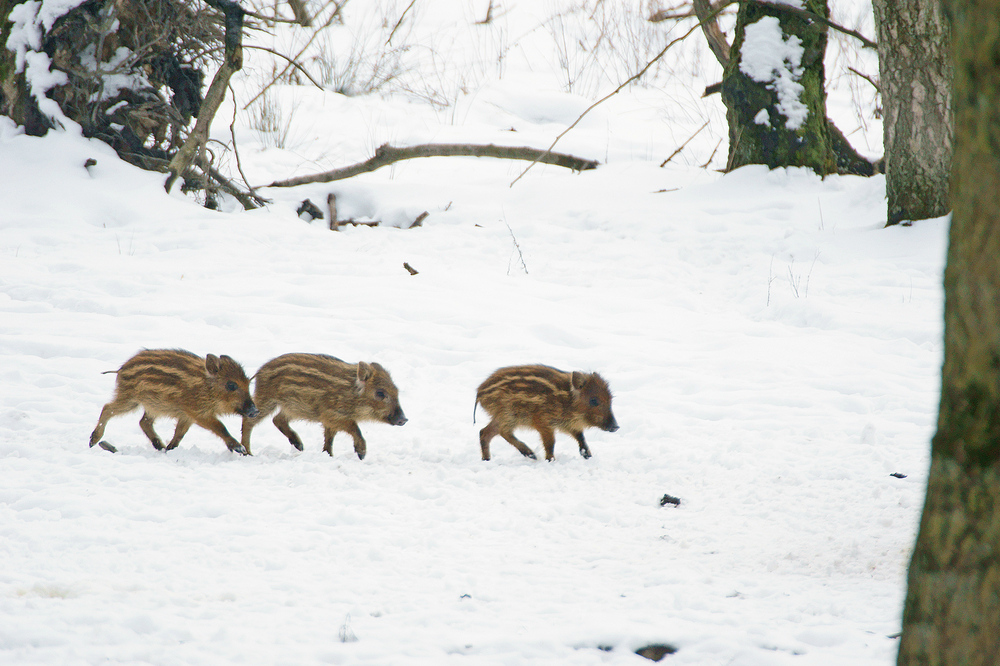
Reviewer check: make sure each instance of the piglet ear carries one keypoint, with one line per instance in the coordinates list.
(212, 364)
(365, 372)
(579, 380)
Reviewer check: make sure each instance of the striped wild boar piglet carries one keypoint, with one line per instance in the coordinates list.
(181, 385)
(326, 390)
(546, 399)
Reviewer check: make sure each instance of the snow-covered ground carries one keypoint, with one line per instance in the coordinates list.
(774, 354)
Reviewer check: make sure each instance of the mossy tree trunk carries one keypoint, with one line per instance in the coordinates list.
(778, 120)
(952, 611)
(916, 76)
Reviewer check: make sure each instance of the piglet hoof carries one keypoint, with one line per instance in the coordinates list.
(297, 446)
(531, 454)
(106, 446)
(238, 448)
(585, 453)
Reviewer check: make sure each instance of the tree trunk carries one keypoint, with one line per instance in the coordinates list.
(775, 97)
(952, 611)
(916, 76)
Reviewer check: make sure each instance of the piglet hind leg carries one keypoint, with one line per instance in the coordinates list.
(485, 435)
(111, 410)
(146, 423)
(519, 445)
(280, 422)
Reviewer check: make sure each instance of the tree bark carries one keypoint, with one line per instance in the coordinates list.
(761, 131)
(952, 610)
(386, 155)
(916, 77)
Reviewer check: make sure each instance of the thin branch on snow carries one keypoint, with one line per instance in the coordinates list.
(386, 155)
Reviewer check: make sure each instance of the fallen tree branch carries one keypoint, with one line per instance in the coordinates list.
(386, 155)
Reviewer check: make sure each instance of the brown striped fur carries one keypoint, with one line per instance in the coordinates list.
(546, 399)
(181, 385)
(324, 389)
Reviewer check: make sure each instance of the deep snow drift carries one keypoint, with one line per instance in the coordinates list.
(774, 354)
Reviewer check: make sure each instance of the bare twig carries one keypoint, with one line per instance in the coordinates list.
(399, 22)
(291, 62)
(410, 269)
(867, 78)
(236, 149)
(712, 156)
(614, 92)
(517, 246)
(387, 154)
(682, 12)
(273, 19)
(249, 201)
(681, 147)
(330, 19)
(671, 14)
(490, 16)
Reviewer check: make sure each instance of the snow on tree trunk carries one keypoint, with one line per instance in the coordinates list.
(916, 76)
(952, 610)
(774, 89)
